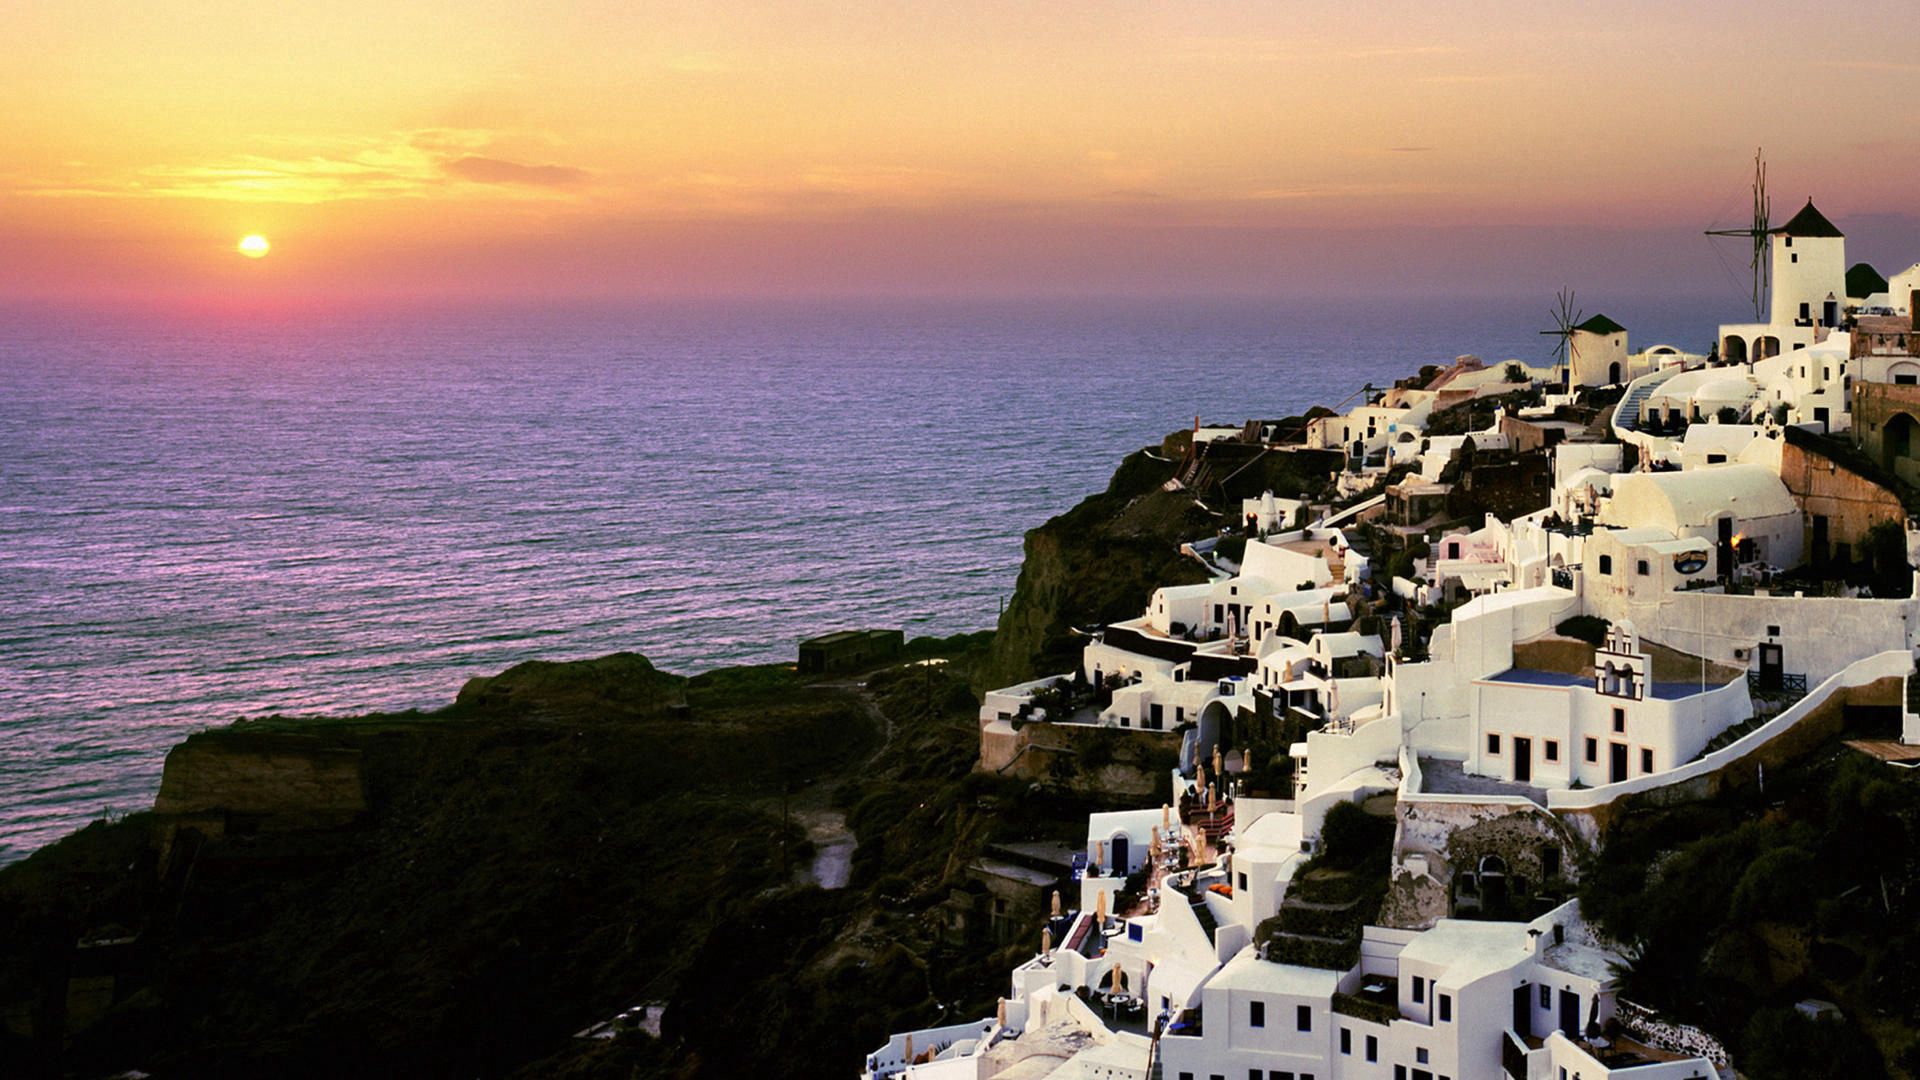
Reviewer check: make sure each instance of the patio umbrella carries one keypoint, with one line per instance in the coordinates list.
(909, 1052)
(1100, 907)
(1046, 941)
(1116, 979)
(1056, 903)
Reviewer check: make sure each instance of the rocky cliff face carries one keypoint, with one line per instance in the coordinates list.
(288, 779)
(1096, 563)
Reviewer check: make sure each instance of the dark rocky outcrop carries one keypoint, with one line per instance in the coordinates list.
(1097, 563)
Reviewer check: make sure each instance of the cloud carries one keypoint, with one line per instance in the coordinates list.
(486, 170)
(409, 164)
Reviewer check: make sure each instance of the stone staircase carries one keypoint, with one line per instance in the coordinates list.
(1626, 412)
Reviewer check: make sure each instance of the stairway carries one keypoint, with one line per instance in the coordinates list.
(1205, 917)
(1626, 413)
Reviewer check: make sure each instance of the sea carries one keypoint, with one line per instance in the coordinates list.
(208, 517)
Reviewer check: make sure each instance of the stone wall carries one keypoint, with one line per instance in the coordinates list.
(1438, 840)
(1875, 404)
(1123, 764)
(1850, 502)
(218, 780)
(1645, 1025)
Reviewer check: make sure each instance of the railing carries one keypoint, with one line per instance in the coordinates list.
(1513, 1057)
(1787, 682)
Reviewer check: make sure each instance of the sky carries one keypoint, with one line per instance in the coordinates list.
(476, 152)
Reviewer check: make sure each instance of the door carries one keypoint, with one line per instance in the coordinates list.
(1523, 1011)
(1723, 550)
(1156, 716)
(1772, 666)
(1819, 539)
(1522, 761)
(1613, 373)
(1618, 763)
(1570, 1013)
(1121, 855)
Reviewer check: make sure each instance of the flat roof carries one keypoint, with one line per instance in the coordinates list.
(1248, 972)
(1664, 691)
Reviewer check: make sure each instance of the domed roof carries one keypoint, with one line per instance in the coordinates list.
(1727, 388)
(1591, 477)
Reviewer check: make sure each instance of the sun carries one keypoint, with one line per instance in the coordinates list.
(253, 246)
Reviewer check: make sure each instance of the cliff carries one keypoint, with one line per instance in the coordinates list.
(456, 894)
(1096, 563)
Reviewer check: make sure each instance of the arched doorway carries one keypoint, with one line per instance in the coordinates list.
(1122, 854)
(1897, 440)
(1493, 883)
(1734, 349)
(1613, 373)
(1766, 347)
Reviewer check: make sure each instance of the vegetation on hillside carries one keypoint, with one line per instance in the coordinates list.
(1737, 909)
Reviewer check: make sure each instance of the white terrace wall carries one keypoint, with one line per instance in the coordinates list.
(1819, 635)
(1586, 812)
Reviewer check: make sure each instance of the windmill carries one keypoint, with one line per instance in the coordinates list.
(1566, 320)
(1757, 232)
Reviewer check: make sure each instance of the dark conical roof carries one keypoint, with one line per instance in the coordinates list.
(1600, 324)
(1864, 280)
(1808, 222)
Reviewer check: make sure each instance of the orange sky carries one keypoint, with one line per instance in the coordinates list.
(479, 150)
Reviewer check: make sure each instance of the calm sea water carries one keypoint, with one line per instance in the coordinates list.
(200, 521)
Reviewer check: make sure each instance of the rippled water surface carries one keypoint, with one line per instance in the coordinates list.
(201, 521)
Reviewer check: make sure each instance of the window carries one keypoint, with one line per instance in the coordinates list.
(1593, 749)
(1420, 1055)
(1712, 459)
(1646, 759)
(1773, 631)
(1399, 1072)
(1493, 747)
(1550, 861)
(1606, 564)
(1135, 932)
(1552, 750)
(1186, 1076)
(1303, 1017)
(1346, 1041)
(1257, 1014)
(1419, 990)
(1256, 1074)
(1546, 996)
(1619, 721)
(1640, 565)
(1446, 1012)
(1243, 881)
(1373, 1048)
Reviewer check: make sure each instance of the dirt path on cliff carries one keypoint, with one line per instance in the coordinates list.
(811, 806)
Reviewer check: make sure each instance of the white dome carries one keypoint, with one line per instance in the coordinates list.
(1591, 477)
(1724, 389)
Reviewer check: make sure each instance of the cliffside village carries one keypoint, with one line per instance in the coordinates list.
(1627, 575)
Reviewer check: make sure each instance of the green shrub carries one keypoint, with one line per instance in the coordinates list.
(1779, 885)
(1781, 1044)
(1588, 628)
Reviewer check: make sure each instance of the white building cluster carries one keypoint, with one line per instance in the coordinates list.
(1662, 610)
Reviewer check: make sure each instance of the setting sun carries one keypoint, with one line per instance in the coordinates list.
(254, 246)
